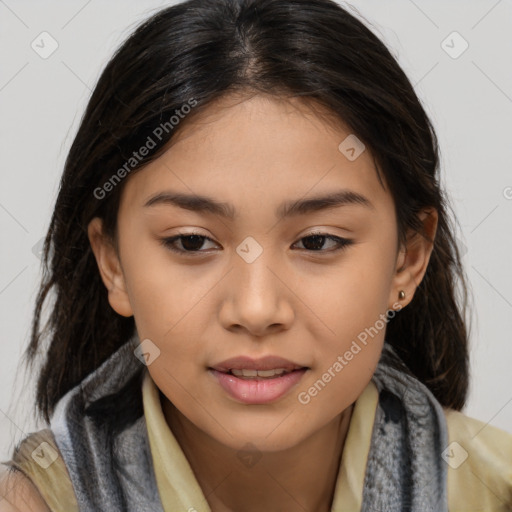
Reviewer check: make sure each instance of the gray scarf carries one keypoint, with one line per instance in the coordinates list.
(405, 471)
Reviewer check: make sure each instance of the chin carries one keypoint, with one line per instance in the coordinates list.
(264, 436)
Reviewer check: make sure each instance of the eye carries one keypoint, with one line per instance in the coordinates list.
(316, 241)
(191, 243)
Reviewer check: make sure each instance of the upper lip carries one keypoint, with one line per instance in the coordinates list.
(263, 363)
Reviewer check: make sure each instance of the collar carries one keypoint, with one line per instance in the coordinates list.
(179, 489)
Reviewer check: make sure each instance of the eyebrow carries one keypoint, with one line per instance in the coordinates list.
(204, 204)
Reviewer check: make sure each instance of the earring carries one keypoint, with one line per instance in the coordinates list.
(401, 294)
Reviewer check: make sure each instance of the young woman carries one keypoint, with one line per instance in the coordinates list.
(255, 277)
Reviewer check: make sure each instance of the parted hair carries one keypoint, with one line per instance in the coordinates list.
(204, 50)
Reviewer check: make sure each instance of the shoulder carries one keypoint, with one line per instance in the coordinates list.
(479, 458)
(37, 473)
(18, 493)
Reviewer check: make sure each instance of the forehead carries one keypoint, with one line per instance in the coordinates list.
(258, 147)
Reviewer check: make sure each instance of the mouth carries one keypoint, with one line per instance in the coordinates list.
(255, 386)
(248, 374)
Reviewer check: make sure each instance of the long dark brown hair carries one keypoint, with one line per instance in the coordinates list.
(201, 50)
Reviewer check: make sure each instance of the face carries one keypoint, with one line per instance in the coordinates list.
(311, 285)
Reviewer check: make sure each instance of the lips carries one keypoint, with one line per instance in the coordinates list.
(257, 381)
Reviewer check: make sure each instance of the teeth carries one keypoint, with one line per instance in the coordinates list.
(259, 373)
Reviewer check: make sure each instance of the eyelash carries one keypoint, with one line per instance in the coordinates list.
(168, 243)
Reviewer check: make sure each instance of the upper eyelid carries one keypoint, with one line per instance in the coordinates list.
(318, 232)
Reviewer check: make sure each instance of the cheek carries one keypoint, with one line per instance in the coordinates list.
(161, 292)
(351, 304)
(350, 298)
(345, 362)
(179, 372)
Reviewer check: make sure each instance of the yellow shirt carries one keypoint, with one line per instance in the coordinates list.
(479, 464)
(479, 458)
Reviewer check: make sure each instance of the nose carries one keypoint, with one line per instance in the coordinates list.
(258, 298)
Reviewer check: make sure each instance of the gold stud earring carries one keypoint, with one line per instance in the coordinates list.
(401, 294)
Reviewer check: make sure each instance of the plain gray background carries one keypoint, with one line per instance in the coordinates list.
(467, 94)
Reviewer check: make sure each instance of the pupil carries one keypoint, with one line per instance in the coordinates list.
(318, 242)
(197, 242)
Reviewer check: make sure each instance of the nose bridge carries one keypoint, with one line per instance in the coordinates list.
(252, 269)
(257, 294)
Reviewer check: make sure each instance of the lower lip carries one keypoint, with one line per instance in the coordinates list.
(252, 391)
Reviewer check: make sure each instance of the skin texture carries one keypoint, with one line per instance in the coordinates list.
(304, 305)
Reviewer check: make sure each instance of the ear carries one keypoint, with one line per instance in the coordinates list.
(412, 260)
(109, 267)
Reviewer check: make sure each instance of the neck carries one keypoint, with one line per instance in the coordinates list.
(300, 478)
